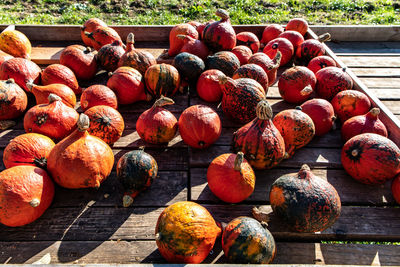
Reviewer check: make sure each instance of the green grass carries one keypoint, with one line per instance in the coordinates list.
(139, 12)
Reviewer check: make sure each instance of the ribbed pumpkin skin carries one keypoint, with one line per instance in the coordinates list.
(42, 93)
(308, 50)
(321, 62)
(248, 39)
(227, 183)
(96, 95)
(106, 123)
(81, 60)
(175, 43)
(243, 53)
(267, 64)
(109, 56)
(22, 70)
(371, 158)
(282, 45)
(89, 26)
(15, 43)
(189, 66)
(271, 32)
(296, 128)
(304, 201)
(293, 82)
(297, 24)
(245, 240)
(186, 232)
(322, 114)
(219, 35)
(4, 56)
(57, 73)
(294, 37)
(13, 100)
(208, 87)
(332, 80)
(395, 188)
(102, 36)
(20, 188)
(28, 149)
(350, 103)
(225, 61)
(254, 72)
(162, 79)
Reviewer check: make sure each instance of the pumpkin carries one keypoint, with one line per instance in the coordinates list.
(332, 80)
(243, 53)
(350, 103)
(89, 26)
(294, 37)
(231, 178)
(42, 92)
(297, 24)
(25, 194)
(254, 72)
(283, 45)
(4, 57)
(176, 43)
(157, 125)
(194, 46)
(220, 35)
(22, 70)
(304, 201)
(80, 160)
(189, 66)
(225, 61)
(57, 73)
(271, 32)
(128, 84)
(137, 59)
(102, 36)
(245, 241)
(136, 171)
(296, 84)
(296, 128)
(208, 87)
(321, 62)
(371, 158)
(28, 149)
(96, 95)
(248, 39)
(270, 66)
(109, 55)
(310, 49)
(162, 79)
(186, 232)
(13, 100)
(81, 60)
(395, 188)
(55, 119)
(15, 43)
(106, 123)
(367, 123)
(259, 140)
(322, 114)
(240, 98)
(199, 126)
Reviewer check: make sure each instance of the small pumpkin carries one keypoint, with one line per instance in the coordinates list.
(254, 72)
(89, 26)
(25, 194)
(243, 53)
(176, 43)
(245, 241)
(332, 80)
(194, 46)
(186, 232)
(208, 87)
(136, 171)
(96, 95)
(371, 158)
(321, 62)
(81, 60)
(15, 43)
(270, 66)
(106, 123)
(296, 128)
(310, 49)
(306, 202)
(4, 57)
(350, 103)
(162, 79)
(259, 140)
(248, 39)
(157, 125)
(296, 84)
(283, 45)
(294, 37)
(199, 126)
(57, 73)
(42, 93)
(13, 100)
(80, 160)
(189, 66)
(271, 32)
(395, 188)
(22, 70)
(220, 35)
(322, 114)
(225, 61)
(109, 55)
(231, 178)
(297, 24)
(102, 36)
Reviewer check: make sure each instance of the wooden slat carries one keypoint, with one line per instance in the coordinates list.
(380, 61)
(386, 83)
(385, 94)
(377, 72)
(364, 47)
(393, 106)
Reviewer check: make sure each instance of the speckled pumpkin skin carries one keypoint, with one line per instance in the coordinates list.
(248, 39)
(308, 50)
(22, 70)
(294, 37)
(305, 202)
(225, 61)
(254, 72)
(57, 73)
(175, 43)
(282, 45)
(332, 80)
(245, 241)
(81, 60)
(186, 232)
(371, 158)
(219, 35)
(266, 63)
(297, 24)
(98, 95)
(271, 32)
(136, 171)
(395, 188)
(89, 26)
(15, 43)
(102, 36)
(243, 53)
(195, 47)
(350, 103)
(109, 56)
(321, 62)
(13, 100)
(189, 66)
(293, 81)
(162, 79)
(208, 87)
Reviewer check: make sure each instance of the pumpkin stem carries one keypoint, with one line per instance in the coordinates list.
(276, 61)
(305, 167)
(87, 50)
(223, 14)
(306, 90)
(181, 36)
(324, 37)
(53, 97)
(130, 39)
(158, 237)
(83, 122)
(298, 108)
(42, 162)
(374, 112)
(163, 101)
(4, 125)
(127, 200)
(264, 110)
(29, 85)
(260, 215)
(10, 80)
(354, 153)
(238, 161)
(34, 202)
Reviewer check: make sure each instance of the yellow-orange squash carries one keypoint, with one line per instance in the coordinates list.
(42, 92)
(15, 43)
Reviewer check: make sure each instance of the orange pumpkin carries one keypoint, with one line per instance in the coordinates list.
(25, 194)
(22, 70)
(186, 232)
(80, 160)
(162, 79)
(175, 43)
(15, 43)
(42, 93)
(89, 26)
(102, 36)
(297, 24)
(13, 100)
(81, 60)
(57, 73)
(96, 95)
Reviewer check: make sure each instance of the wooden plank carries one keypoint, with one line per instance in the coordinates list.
(377, 72)
(393, 106)
(385, 94)
(380, 61)
(384, 83)
(364, 47)
(349, 190)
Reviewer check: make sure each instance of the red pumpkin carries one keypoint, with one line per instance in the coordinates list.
(368, 123)
(25, 194)
(231, 178)
(13, 100)
(81, 60)
(396, 188)
(162, 79)
(102, 36)
(22, 70)
(321, 62)
(271, 32)
(270, 66)
(106, 123)
(220, 35)
(199, 126)
(332, 80)
(96, 95)
(284, 46)
(157, 125)
(243, 53)
(310, 49)
(294, 37)
(322, 114)
(371, 158)
(208, 87)
(254, 72)
(4, 57)
(297, 24)
(186, 232)
(109, 55)
(89, 26)
(57, 73)
(42, 93)
(175, 43)
(248, 39)
(297, 84)
(350, 103)
(194, 46)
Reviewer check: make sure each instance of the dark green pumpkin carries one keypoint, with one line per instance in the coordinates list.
(245, 240)
(189, 66)
(109, 55)
(225, 61)
(254, 72)
(304, 201)
(136, 171)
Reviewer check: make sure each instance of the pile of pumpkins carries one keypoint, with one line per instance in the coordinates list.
(223, 67)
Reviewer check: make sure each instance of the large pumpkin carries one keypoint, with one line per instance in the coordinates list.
(220, 35)
(109, 55)
(296, 84)
(98, 95)
(22, 70)
(15, 43)
(350, 103)
(282, 45)
(186, 232)
(42, 92)
(88, 27)
(13, 100)
(81, 60)
(332, 80)
(225, 61)
(162, 79)
(57, 73)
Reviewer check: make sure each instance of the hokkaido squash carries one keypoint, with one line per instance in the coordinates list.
(57, 73)
(350, 103)
(297, 24)
(13, 100)
(220, 35)
(98, 95)
(81, 60)
(42, 93)
(15, 43)
(162, 79)
(88, 27)
(22, 70)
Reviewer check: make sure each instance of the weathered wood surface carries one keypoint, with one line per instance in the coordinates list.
(376, 61)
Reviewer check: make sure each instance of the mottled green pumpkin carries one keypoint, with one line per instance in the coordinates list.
(245, 240)
(109, 55)
(189, 66)
(136, 171)
(307, 203)
(225, 61)
(162, 79)
(254, 72)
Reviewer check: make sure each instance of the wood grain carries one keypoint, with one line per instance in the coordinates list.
(377, 61)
